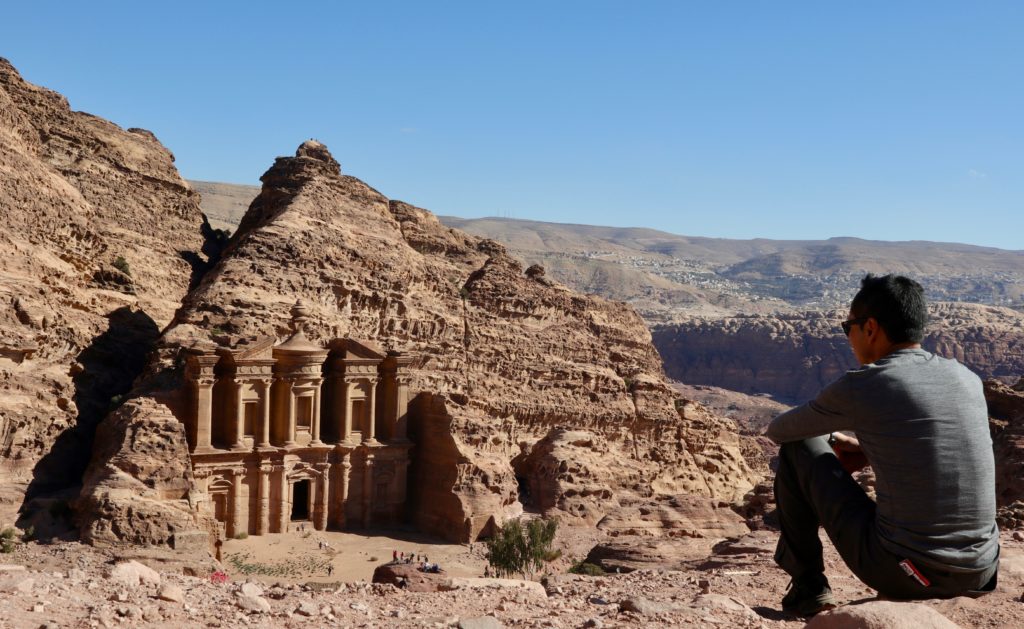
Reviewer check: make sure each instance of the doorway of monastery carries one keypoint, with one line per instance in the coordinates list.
(301, 500)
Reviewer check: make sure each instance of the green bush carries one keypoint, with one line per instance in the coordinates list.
(242, 535)
(589, 569)
(122, 265)
(7, 540)
(521, 548)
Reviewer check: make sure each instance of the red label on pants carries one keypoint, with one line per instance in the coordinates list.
(914, 573)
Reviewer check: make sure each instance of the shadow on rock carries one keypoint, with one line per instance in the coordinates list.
(106, 370)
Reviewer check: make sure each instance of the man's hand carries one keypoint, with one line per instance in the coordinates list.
(848, 451)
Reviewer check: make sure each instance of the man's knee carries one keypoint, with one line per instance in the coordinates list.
(804, 451)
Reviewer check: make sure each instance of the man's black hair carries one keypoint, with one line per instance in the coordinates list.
(896, 302)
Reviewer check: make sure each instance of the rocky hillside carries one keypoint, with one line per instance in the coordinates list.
(792, 356)
(101, 238)
(503, 355)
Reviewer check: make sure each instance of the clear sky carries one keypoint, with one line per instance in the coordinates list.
(793, 120)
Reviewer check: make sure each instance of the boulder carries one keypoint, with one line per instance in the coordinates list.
(518, 586)
(882, 615)
(133, 574)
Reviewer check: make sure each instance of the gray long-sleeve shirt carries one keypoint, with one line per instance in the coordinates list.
(922, 422)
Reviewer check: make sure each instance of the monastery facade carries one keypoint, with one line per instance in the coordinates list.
(298, 432)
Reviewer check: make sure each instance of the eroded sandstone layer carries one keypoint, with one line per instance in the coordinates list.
(100, 240)
(792, 356)
(501, 355)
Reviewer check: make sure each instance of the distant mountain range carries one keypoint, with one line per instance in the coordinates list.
(668, 277)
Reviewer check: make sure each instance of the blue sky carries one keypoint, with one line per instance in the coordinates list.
(798, 120)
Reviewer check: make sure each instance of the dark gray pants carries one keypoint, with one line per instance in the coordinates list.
(812, 489)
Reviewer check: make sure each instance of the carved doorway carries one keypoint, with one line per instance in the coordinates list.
(300, 500)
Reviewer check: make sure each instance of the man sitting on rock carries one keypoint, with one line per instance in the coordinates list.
(921, 422)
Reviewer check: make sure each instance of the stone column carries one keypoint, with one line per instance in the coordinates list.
(286, 511)
(239, 417)
(237, 524)
(289, 440)
(401, 428)
(265, 408)
(368, 492)
(204, 418)
(320, 515)
(348, 410)
(370, 434)
(346, 472)
(263, 526)
(316, 413)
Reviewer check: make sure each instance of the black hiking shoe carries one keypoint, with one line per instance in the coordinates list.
(808, 595)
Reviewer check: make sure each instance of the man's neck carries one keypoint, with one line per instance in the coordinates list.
(895, 347)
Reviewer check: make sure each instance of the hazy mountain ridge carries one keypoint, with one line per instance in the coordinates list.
(668, 277)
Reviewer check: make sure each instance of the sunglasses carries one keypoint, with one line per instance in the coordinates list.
(849, 323)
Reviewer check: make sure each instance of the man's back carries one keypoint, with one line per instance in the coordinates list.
(922, 421)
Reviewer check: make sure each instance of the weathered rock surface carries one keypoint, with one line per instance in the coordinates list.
(69, 591)
(882, 615)
(101, 238)
(138, 487)
(502, 356)
(1006, 406)
(792, 356)
(408, 576)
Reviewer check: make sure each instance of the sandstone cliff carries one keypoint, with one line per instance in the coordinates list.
(792, 356)
(100, 240)
(1006, 406)
(503, 355)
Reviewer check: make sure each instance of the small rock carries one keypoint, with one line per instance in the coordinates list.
(119, 597)
(133, 573)
(359, 607)
(76, 574)
(21, 585)
(887, 614)
(1017, 535)
(307, 608)
(250, 589)
(171, 592)
(642, 606)
(11, 567)
(277, 593)
(398, 613)
(253, 604)
(594, 622)
(38, 608)
(704, 585)
(598, 600)
(483, 622)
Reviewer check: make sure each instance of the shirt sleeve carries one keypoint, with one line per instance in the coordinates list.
(832, 410)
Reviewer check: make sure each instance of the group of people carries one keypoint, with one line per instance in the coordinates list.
(401, 557)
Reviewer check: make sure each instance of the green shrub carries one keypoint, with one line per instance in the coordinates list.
(242, 535)
(7, 540)
(521, 548)
(122, 265)
(589, 569)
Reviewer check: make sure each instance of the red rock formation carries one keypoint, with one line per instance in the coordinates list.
(1006, 406)
(100, 239)
(502, 356)
(139, 488)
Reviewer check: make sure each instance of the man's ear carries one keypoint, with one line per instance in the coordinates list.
(871, 328)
